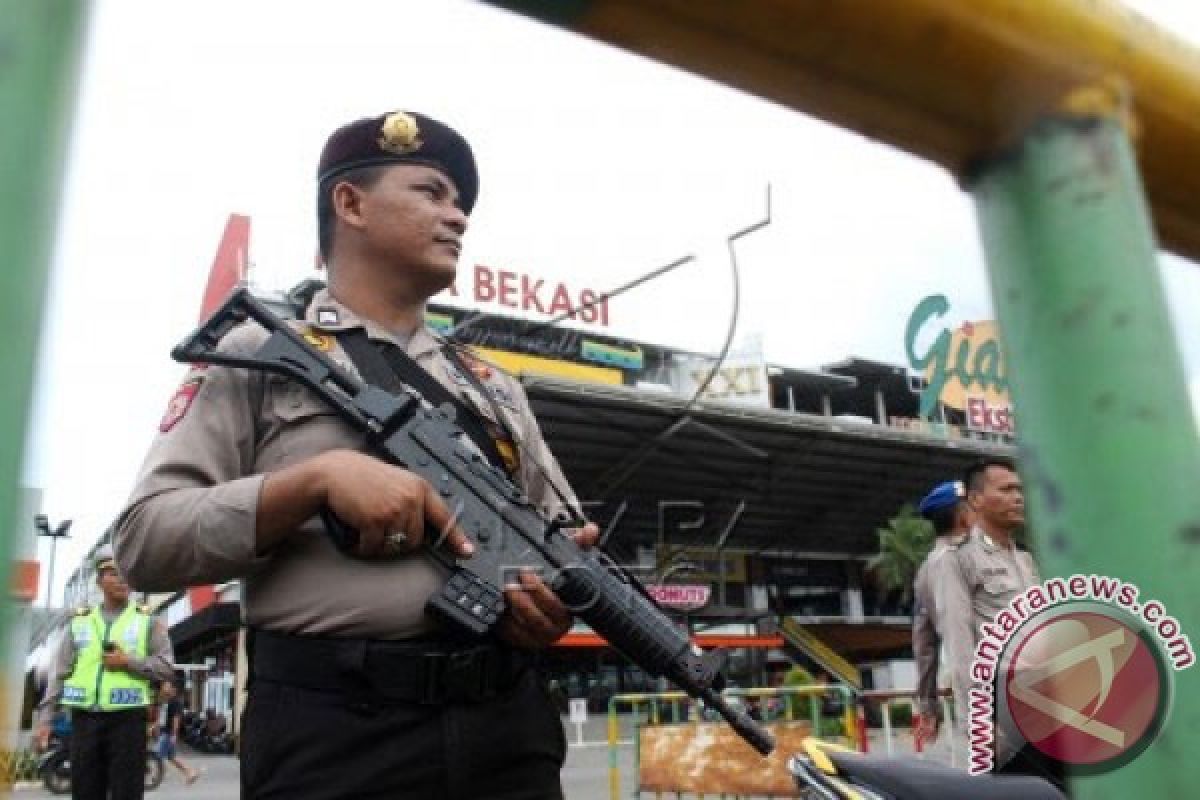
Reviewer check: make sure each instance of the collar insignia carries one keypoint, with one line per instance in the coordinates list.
(318, 340)
(327, 316)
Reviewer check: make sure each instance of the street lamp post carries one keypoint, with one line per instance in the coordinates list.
(42, 522)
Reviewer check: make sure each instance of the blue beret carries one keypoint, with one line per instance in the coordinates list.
(944, 495)
(401, 137)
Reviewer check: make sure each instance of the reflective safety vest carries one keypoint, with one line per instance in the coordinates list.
(90, 685)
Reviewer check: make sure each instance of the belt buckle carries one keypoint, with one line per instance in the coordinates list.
(433, 672)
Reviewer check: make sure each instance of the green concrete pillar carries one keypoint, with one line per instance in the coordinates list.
(39, 51)
(1109, 450)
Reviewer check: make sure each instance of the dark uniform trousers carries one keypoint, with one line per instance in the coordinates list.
(108, 754)
(1029, 760)
(334, 719)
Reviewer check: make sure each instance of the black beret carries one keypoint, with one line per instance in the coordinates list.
(401, 137)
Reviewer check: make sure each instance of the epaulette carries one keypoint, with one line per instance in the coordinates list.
(957, 541)
(83, 611)
(300, 296)
(142, 608)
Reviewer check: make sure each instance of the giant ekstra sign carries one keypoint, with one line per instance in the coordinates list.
(964, 368)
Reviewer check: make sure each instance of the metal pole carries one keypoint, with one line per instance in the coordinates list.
(1109, 449)
(50, 578)
(39, 43)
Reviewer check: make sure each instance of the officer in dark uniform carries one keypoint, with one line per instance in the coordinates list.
(354, 691)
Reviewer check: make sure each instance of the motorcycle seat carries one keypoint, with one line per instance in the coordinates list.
(913, 779)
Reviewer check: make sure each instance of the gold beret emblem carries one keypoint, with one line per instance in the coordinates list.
(400, 134)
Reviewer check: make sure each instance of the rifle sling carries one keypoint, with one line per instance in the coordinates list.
(390, 368)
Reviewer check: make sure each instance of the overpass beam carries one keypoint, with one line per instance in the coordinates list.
(1110, 455)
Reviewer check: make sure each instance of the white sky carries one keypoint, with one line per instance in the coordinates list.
(596, 166)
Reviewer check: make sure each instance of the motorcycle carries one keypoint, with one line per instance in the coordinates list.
(826, 771)
(206, 733)
(54, 766)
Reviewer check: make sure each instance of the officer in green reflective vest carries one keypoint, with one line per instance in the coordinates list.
(109, 658)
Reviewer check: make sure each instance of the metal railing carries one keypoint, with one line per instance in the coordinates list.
(887, 700)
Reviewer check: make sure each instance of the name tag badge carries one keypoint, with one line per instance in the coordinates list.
(125, 697)
(73, 694)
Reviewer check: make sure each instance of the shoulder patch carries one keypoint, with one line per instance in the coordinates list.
(180, 402)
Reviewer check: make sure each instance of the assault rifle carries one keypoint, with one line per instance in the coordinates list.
(508, 531)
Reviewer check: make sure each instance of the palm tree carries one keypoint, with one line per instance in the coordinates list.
(903, 545)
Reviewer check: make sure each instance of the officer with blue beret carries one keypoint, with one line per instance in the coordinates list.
(354, 691)
(946, 508)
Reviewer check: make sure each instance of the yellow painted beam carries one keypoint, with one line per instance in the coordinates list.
(953, 81)
(521, 364)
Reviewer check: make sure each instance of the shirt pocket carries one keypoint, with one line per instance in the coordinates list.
(301, 425)
(291, 402)
(1001, 585)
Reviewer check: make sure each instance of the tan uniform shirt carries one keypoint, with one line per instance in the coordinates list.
(156, 667)
(191, 518)
(926, 638)
(972, 584)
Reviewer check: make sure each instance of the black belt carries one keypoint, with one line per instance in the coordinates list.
(379, 672)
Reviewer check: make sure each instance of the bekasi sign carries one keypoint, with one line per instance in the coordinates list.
(964, 368)
(536, 295)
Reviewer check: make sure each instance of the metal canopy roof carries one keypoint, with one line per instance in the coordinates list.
(809, 484)
(953, 82)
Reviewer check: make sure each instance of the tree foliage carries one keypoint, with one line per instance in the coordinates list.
(903, 545)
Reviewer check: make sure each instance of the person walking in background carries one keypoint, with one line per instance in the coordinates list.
(171, 717)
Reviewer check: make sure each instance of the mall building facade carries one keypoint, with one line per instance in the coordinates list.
(749, 512)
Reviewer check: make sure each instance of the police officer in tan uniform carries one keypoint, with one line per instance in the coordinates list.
(981, 576)
(354, 691)
(946, 509)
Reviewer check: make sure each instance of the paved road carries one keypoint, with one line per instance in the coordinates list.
(585, 776)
